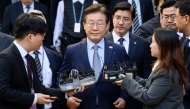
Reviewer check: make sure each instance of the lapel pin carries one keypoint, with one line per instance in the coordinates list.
(135, 43)
(111, 47)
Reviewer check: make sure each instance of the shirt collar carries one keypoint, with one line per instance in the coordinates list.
(91, 44)
(41, 50)
(82, 1)
(116, 37)
(22, 51)
(31, 6)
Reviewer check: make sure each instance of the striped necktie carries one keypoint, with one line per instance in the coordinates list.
(136, 20)
(38, 65)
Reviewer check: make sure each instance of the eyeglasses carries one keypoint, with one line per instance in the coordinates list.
(98, 25)
(124, 20)
(166, 17)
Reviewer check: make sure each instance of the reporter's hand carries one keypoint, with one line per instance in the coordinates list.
(73, 102)
(43, 99)
(119, 103)
(119, 82)
(71, 93)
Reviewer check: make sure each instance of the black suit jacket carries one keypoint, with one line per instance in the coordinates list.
(186, 99)
(5, 41)
(53, 12)
(3, 5)
(138, 52)
(14, 10)
(14, 86)
(145, 6)
(147, 28)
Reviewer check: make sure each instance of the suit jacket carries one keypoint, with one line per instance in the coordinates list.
(15, 92)
(147, 28)
(139, 52)
(156, 92)
(76, 57)
(3, 5)
(53, 12)
(145, 6)
(186, 99)
(55, 61)
(14, 10)
(5, 41)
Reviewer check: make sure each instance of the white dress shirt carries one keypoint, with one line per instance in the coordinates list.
(125, 42)
(90, 51)
(46, 70)
(25, 9)
(59, 22)
(23, 53)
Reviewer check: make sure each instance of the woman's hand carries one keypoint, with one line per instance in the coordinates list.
(119, 82)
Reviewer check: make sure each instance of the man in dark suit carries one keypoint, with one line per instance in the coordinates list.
(3, 5)
(145, 7)
(48, 63)
(83, 56)
(14, 10)
(182, 21)
(136, 47)
(20, 87)
(147, 28)
(5, 41)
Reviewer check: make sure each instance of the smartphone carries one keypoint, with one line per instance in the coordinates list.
(53, 98)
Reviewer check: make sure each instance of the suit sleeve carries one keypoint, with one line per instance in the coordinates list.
(6, 23)
(8, 94)
(157, 90)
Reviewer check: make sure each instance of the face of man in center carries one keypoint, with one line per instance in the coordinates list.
(122, 22)
(95, 26)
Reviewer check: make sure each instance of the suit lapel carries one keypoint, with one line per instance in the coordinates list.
(84, 54)
(108, 54)
(183, 40)
(19, 8)
(19, 59)
(132, 45)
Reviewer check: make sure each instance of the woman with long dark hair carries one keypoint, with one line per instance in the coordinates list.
(164, 87)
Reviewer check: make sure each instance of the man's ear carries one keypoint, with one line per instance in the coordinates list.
(84, 25)
(29, 37)
(187, 19)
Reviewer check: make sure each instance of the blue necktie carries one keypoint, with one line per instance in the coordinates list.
(121, 41)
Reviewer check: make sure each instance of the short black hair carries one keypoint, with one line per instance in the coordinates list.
(124, 6)
(28, 24)
(96, 8)
(184, 7)
(167, 4)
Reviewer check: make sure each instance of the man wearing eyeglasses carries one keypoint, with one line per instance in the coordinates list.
(167, 17)
(136, 47)
(183, 24)
(92, 53)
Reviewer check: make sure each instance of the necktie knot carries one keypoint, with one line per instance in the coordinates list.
(27, 57)
(36, 53)
(28, 8)
(121, 41)
(95, 47)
